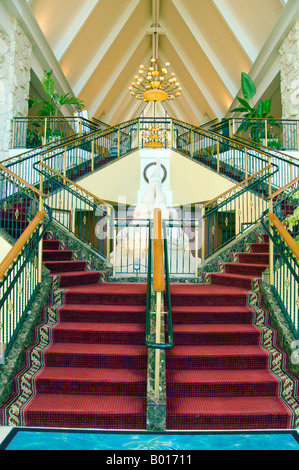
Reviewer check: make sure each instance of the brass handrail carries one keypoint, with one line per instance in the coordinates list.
(289, 240)
(158, 258)
(22, 240)
(75, 185)
(37, 150)
(237, 185)
(28, 185)
(272, 196)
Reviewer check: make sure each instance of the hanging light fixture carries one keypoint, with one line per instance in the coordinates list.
(153, 84)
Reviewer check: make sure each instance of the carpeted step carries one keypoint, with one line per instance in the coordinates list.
(57, 255)
(240, 281)
(102, 313)
(250, 269)
(228, 413)
(253, 258)
(217, 357)
(95, 333)
(259, 247)
(78, 279)
(206, 295)
(51, 244)
(57, 267)
(96, 356)
(204, 335)
(80, 411)
(211, 315)
(221, 383)
(107, 294)
(84, 381)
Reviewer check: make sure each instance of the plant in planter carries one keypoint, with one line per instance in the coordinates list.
(53, 103)
(254, 114)
(291, 221)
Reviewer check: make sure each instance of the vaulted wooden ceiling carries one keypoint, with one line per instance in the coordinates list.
(100, 44)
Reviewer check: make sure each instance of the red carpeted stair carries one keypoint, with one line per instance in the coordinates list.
(91, 367)
(219, 372)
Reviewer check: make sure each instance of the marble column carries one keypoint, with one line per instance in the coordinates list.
(15, 65)
(289, 65)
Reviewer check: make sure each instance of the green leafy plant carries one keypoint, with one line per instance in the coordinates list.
(53, 101)
(292, 220)
(253, 113)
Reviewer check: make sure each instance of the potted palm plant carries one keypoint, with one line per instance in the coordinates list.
(52, 104)
(254, 114)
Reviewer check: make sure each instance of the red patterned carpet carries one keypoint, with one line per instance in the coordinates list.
(88, 365)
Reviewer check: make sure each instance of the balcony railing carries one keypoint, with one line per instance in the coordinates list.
(280, 134)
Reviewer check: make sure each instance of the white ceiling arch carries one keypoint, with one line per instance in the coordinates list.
(99, 44)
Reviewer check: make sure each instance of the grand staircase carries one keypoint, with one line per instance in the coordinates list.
(88, 365)
(221, 374)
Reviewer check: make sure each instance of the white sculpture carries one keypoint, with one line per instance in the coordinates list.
(132, 241)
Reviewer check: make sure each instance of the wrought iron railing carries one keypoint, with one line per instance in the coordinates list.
(280, 134)
(284, 251)
(77, 210)
(158, 327)
(24, 220)
(235, 211)
(32, 132)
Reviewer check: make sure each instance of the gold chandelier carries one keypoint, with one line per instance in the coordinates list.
(155, 136)
(154, 84)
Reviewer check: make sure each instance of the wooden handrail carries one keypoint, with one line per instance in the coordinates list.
(37, 191)
(22, 240)
(239, 184)
(289, 240)
(158, 258)
(272, 196)
(76, 185)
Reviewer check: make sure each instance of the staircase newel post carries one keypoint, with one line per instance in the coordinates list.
(196, 246)
(64, 161)
(218, 155)
(271, 248)
(108, 234)
(191, 143)
(202, 236)
(92, 155)
(40, 245)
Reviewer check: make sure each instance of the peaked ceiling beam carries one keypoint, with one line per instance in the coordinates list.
(233, 23)
(198, 80)
(120, 65)
(203, 43)
(74, 29)
(105, 46)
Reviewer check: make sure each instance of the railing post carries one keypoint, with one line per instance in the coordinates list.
(108, 235)
(64, 160)
(271, 248)
(158, 340)
(246, 164)
(40, 245)
(118, 142)
(114, 248)
(202, 236)
(138, 133)
(196, 246)
(92, 155)
(218, 155)
(13, 132)
(45, 132)
(191, 144)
